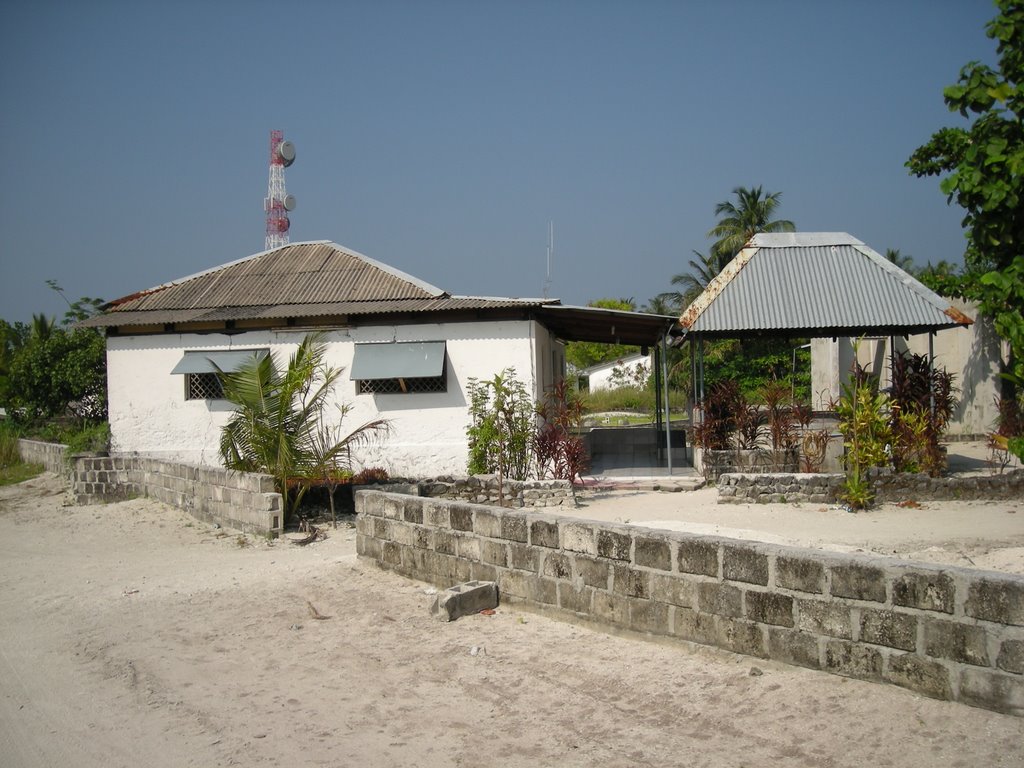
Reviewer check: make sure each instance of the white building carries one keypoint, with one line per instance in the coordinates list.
(631, 370)
(408, 349)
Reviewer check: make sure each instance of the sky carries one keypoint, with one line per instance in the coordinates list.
(443, 138)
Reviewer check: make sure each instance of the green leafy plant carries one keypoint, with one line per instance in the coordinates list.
(501, 429)
(922, 400)
(557, 446)
(864, 421)
(278, 423)
(719, 422)
(982, 170)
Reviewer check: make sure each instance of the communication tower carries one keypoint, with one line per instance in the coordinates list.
(278, 203)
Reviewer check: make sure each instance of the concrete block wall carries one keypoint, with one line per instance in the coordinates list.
(484, 489)
(50, 455)
(888, 486)
(948, 633)
(246, 501)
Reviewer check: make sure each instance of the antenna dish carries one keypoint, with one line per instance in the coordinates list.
(289, 202)
(286, 151)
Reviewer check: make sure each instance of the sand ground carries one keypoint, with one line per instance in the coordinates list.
(132, 634)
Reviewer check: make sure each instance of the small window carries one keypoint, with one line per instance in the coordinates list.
(200, 370)
(399, 368)
(203, 386)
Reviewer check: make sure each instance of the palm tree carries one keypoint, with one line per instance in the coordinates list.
(702, 272)
(751, 214)
(278, 426)
(906, 263)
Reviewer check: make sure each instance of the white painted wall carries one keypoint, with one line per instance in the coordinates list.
(972, 354)
(150, 416)
(600, 376)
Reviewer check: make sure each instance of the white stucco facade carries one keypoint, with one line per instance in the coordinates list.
(629, 369)
(150, 415)
(973, 354)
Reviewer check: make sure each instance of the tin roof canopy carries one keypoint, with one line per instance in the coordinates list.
(323, 282)
(815, 284)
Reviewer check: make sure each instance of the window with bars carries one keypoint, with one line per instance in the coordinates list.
(401, 386)
(399, 368)
(203, 386)
(200, 369)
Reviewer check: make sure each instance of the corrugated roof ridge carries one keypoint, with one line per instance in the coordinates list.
(717, 286)
(422, 284)
(915, 285)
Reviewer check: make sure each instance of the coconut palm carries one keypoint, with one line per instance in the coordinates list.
(906, 263)
(278, 426)
(751, 214)
(702, 271)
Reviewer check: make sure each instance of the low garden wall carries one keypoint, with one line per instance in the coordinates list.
(887, 486)
(944, 632)
(50, 455)
(485, 489)
(241, 500)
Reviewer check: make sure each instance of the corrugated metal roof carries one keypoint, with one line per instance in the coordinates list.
(323, 279)
(301, 273)
(815, 284)
(281, 311)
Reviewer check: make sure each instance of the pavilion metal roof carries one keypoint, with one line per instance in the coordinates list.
(815, 284)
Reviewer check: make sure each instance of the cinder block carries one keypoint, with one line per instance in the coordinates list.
(629, 582)
(720, 599)
(857, 581)
(928, 678)
(800, 574)
(992, 690)
(461, 517)
(412, 510)
(957, 642)
(698, 557)
(613, 544)
(694, 626)
(578, 537)
(513, 527)
(524, 557)
(744, 564)
(648, 616)
(653, 553)
(793, 647)
(487, 523)
(673, 590)
(612, 609)
(464, 600)
(770, 608)
(494, 552)
(740, 636)
(557, 565)
(852, 660)
(436, 514)
(1001, 601)
(927, 590)
(544, 534)
(593, 571)
(575, 600)
(1011, 656)
(889, 628)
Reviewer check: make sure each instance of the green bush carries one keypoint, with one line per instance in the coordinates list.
(9, 454)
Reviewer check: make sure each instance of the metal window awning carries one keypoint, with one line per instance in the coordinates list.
(208, 362)
(398, 360)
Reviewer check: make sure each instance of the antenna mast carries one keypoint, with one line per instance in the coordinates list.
(551, 256)
(278, 202)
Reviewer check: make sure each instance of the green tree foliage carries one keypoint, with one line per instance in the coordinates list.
(502, 427)
(751, 214)
(906, 263)
(62, 372)
(279, 424)
(982, 166)
(583, 354)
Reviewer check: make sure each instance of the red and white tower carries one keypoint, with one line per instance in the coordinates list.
(278, 203)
